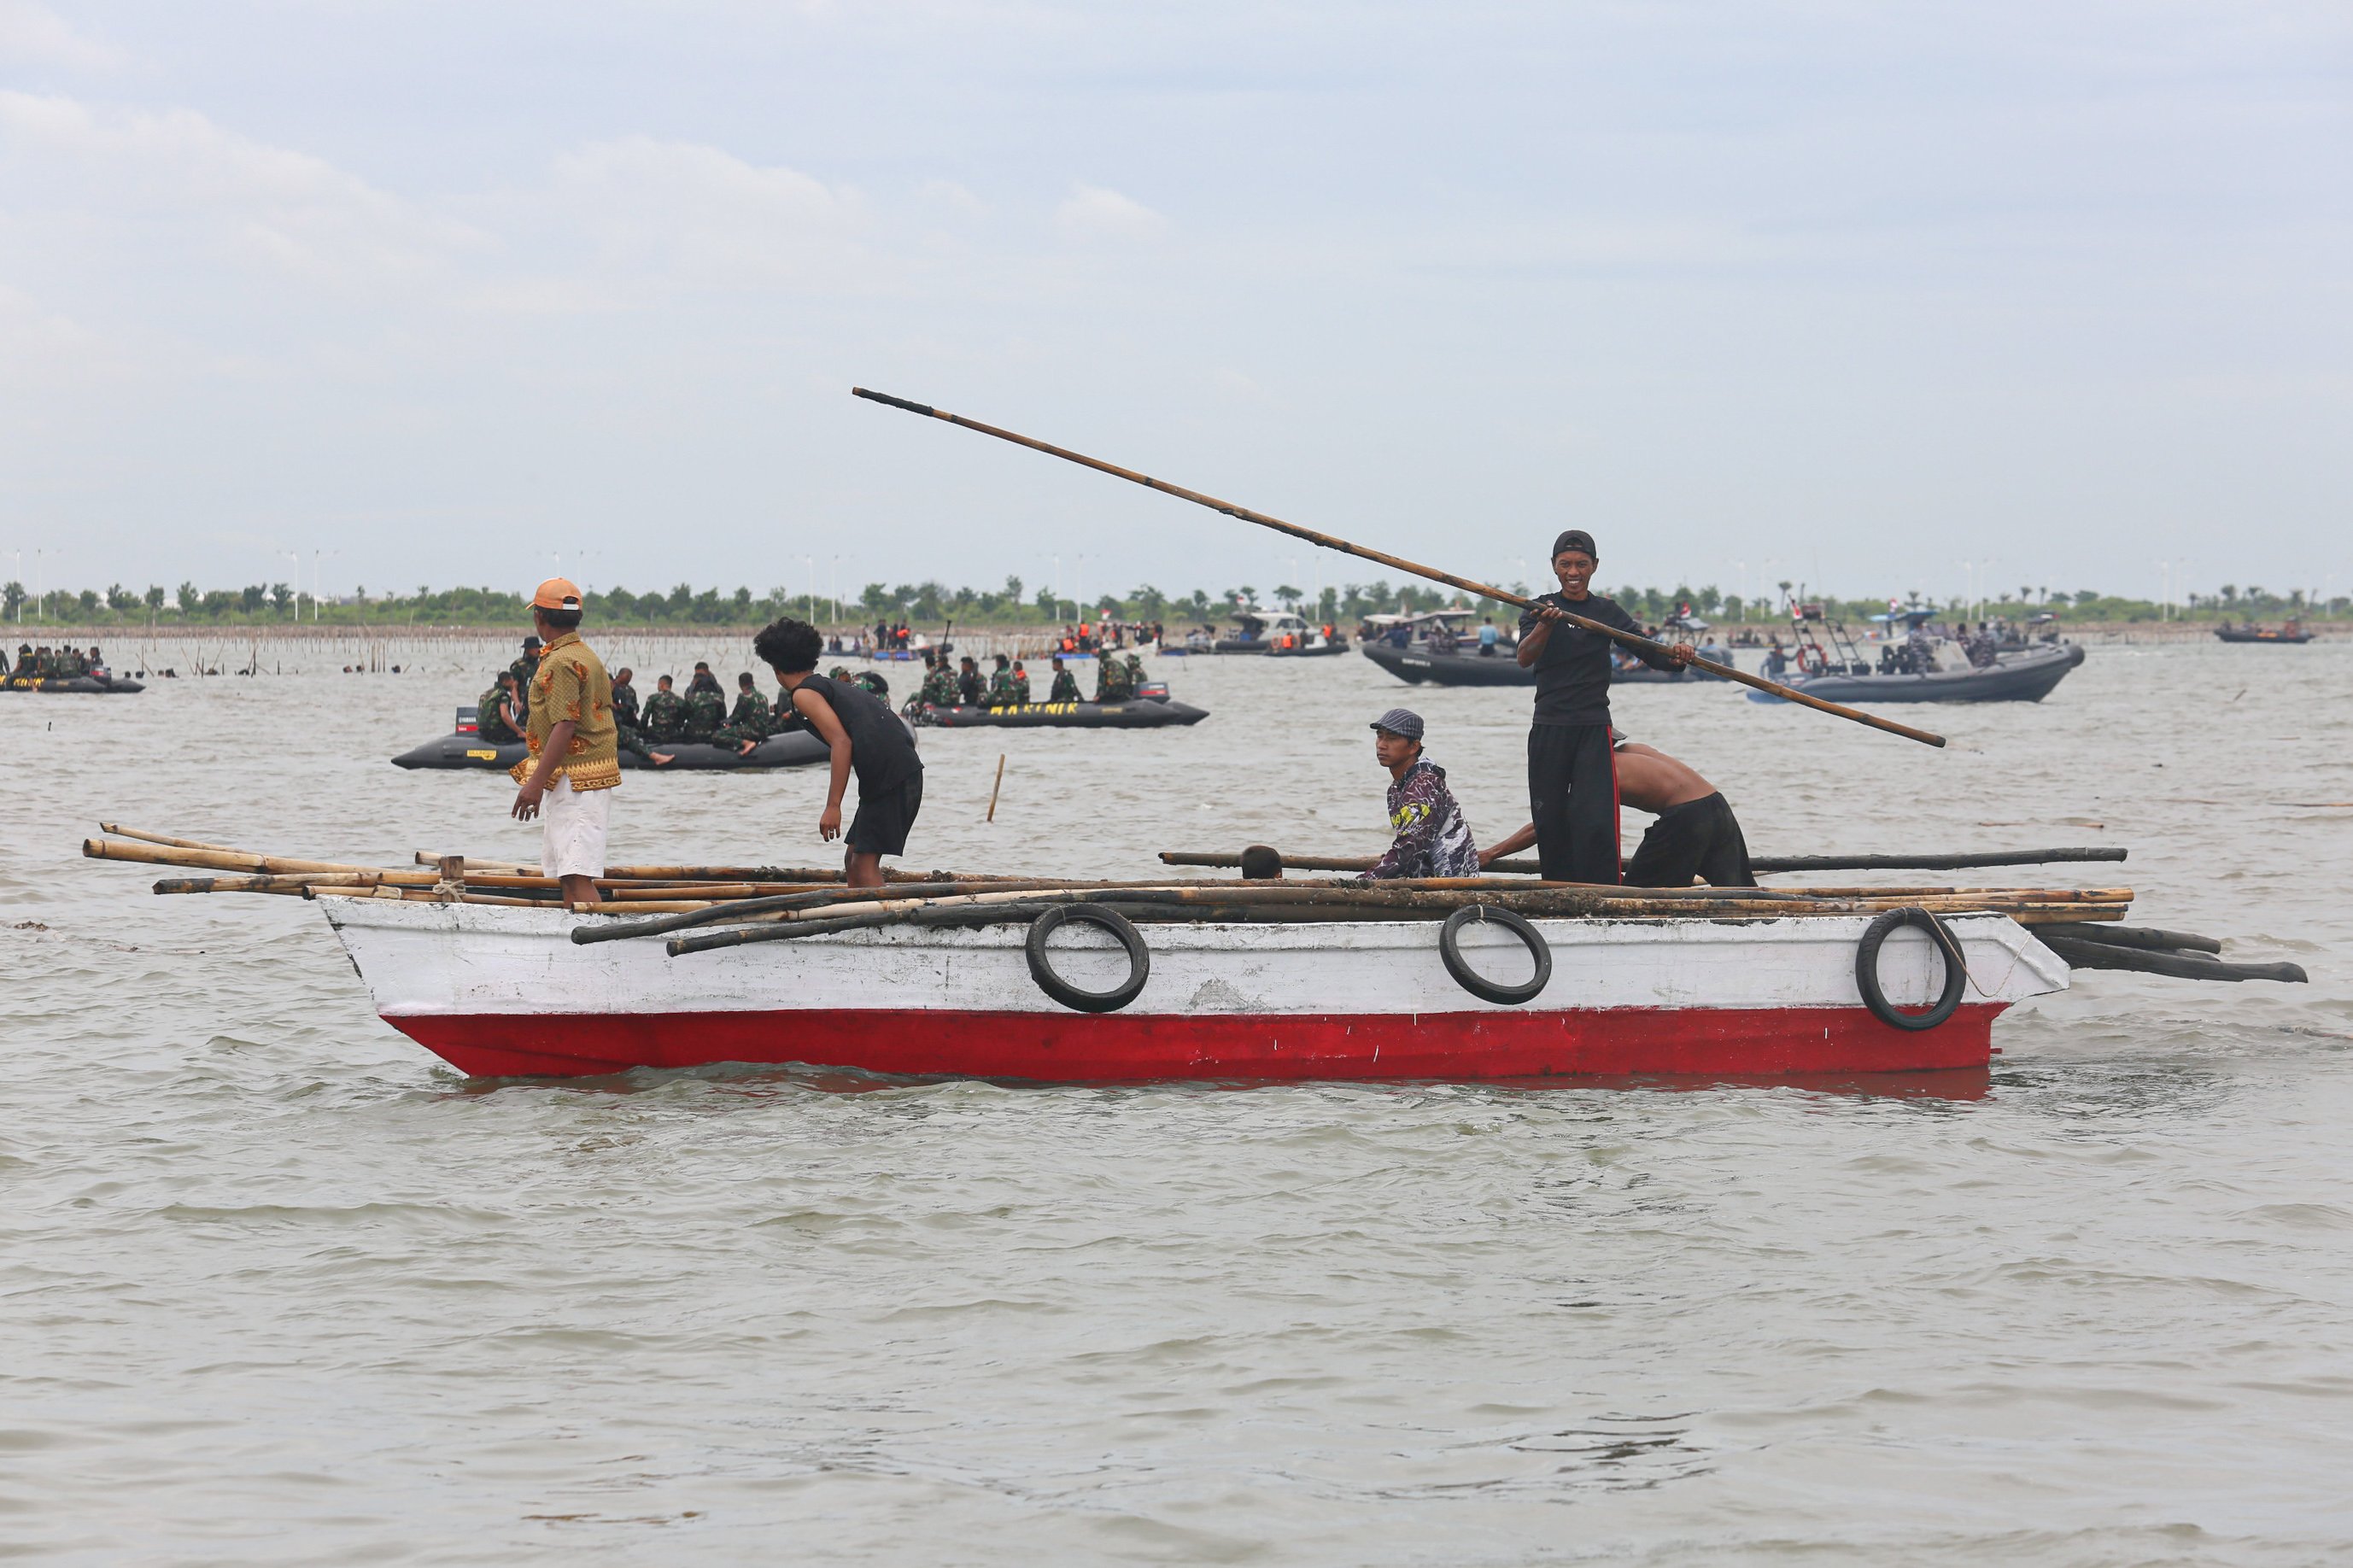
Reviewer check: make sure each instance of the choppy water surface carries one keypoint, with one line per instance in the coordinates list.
(276, 1287)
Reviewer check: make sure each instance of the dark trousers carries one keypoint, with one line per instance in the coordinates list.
(1573, 801)
(1699, 838)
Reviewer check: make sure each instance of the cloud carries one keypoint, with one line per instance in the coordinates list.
(1091, 212)
(692, 212)
(267, 207)
(34, 35)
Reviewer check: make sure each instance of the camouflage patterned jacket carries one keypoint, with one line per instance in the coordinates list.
(523, 669)
(705, 711)
(625, 705)
(665, 716)
(1433, 836)
(750, 715)
(1111, 682)
(940, 688)
(491, 717)
(1001, 689)
(1066, 688)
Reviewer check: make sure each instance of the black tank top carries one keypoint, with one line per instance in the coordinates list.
(881, 752)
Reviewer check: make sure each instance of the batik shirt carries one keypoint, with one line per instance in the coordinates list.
(1433, 837)
(571, 684)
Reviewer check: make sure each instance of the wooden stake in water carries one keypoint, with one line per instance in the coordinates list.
(995, 787)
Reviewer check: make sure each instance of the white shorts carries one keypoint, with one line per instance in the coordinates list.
(572, 829)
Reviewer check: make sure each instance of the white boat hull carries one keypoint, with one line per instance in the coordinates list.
(505, 992)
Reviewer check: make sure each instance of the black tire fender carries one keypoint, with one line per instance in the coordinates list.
(1866, 969)
(1450, 949)
(1042, 964)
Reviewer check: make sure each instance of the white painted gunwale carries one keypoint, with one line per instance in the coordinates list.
(423, 960)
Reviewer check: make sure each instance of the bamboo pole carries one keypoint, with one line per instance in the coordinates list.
(1398, 562)
(123, 832)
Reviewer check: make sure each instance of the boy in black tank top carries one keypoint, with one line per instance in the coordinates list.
(866, 737)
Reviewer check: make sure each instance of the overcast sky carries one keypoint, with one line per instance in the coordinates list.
(1847, 293)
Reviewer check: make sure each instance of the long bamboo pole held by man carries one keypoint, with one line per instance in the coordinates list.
(1332, 542)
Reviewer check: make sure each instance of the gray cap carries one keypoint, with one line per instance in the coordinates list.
(1400, 722)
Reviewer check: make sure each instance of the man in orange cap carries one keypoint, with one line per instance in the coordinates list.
(576, 757)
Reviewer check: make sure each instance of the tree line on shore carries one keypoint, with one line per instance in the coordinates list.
(932, 603)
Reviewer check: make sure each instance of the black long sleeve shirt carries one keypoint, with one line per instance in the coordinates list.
(1573, 670)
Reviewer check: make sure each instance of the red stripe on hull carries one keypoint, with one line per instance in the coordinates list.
(1073, 1047)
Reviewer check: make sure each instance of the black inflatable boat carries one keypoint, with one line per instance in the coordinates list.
(91, 685)
(462, 748)
(1143, 713)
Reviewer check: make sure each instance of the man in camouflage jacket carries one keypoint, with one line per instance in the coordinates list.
(495, 719)
(1000, 684)
(665, 713)
(940, 685)
(706, 710)
(523, 669)
(1066, 685)
(748, 725)
(1111, 684)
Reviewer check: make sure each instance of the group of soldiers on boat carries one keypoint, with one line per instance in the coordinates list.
(46, 663)
(1117, 680)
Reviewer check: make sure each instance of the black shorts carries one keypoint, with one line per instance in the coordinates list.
(884, 817)
(1699, 838)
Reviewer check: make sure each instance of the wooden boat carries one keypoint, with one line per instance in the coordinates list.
(2293, 631)
(501, 992)
(938, 973)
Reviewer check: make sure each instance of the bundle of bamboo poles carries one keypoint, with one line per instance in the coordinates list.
(781, 901)
(1763, 865)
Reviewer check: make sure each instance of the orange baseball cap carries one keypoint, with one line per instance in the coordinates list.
(557, 593)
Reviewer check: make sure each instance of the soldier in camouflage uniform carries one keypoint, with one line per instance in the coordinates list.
(1136, 676)
(627, 732)
(704, 680)
(940, 685)
(24, 660)
(747, 726)
(1111, 684)
(706, 710)
(865, 678)
(665, 713)
(523, 669)
(1066, 685)
(1021, 685)
(1000, 684)
(494, 713)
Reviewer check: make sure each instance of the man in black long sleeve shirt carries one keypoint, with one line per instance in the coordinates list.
(1572, 774)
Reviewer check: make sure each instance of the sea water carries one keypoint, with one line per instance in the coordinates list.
(275, 1286)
